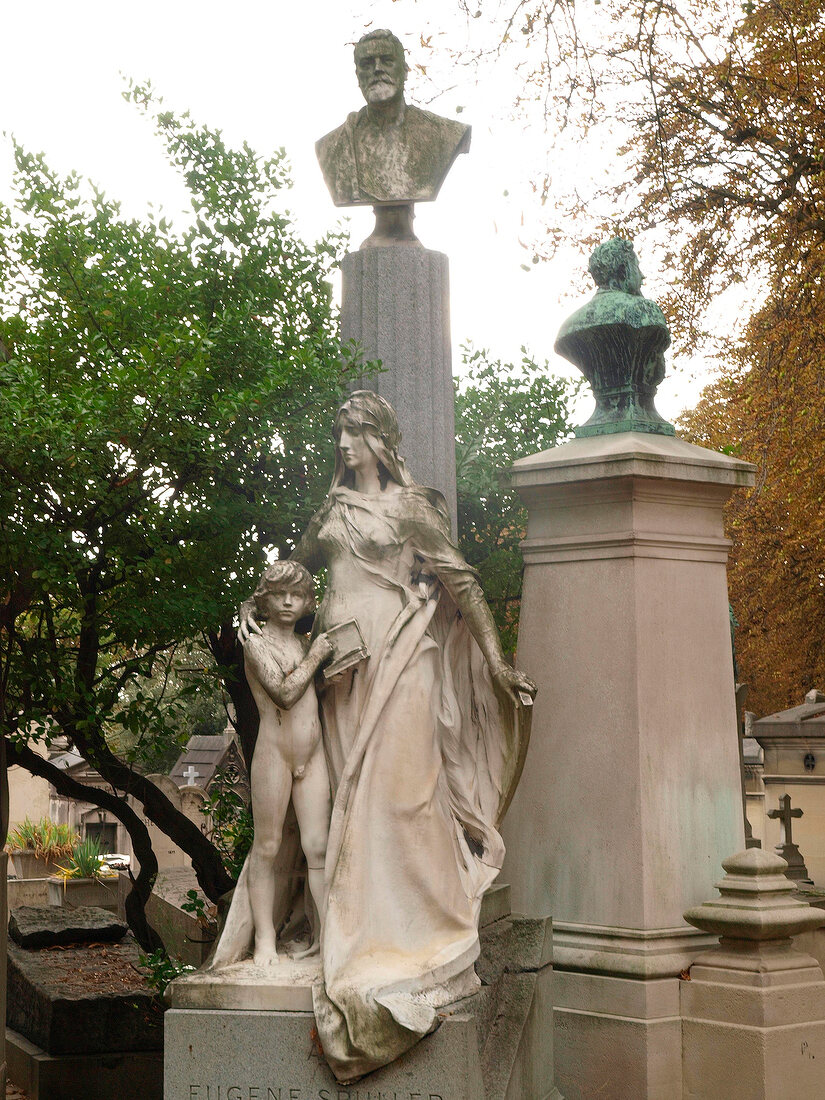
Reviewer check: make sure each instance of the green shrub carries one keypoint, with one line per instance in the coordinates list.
(45, 838)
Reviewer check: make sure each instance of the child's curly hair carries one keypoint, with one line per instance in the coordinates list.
(286, 574)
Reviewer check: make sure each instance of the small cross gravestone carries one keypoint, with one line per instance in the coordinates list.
(190, 775)
(797, 871)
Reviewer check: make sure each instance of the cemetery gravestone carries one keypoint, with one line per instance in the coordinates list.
(397, 1003)
(753, 1011)
(786, 848)
(413, 842)
(81, 1020)
(791, 747)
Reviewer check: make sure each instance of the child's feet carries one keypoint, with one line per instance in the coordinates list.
(266, 957)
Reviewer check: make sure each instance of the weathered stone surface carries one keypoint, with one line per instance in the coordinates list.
(33, 926)
(625, 627)
(77, 893)
(277, 1054)
(758, 904)
(27, 891)
(494, 1045)
(131, 1075)
(753, 1012)
(82, 1000)
(27, 864)
(514, 944)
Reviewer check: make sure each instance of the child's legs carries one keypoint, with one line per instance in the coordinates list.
(313, 807)
(271, 782)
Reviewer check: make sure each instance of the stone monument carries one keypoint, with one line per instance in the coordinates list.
(395, 293)
(625, 628)
(425, 729)
(791, 744)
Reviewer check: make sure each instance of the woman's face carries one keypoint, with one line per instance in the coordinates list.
(355, 453)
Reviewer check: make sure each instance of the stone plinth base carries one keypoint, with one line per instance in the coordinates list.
(755, 1033)
(131, 1075)
(494, 1045)
(246, 986)
(236, 1055)
(617, 1038)
(625, 628)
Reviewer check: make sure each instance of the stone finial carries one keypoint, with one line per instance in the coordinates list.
(753, 1012)
(618, 341)
(757, 903)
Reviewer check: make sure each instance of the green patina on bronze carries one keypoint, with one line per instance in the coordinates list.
(618, 341)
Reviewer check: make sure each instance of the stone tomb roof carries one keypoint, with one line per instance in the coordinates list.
(806, 722)
(205, 757)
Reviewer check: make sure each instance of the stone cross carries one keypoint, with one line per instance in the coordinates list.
(785, 814)
(190, 775)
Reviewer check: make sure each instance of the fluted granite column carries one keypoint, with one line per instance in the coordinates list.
(395, 305)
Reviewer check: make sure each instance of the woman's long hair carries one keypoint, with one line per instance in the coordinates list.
(376, 419)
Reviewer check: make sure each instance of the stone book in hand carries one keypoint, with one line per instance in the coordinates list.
(349, 648)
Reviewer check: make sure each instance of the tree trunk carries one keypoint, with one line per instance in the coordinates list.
(136, 900)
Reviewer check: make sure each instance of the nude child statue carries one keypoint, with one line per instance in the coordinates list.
(289, 756)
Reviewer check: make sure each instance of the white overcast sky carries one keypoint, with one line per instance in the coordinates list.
(281, 74)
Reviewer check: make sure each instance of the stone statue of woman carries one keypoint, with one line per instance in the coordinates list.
(424, 746)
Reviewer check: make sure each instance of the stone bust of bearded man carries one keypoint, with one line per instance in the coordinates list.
(389, 152)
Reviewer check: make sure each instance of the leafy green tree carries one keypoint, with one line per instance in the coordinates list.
(502, 412)
(730, 155)
(165, 401)
(186, 689)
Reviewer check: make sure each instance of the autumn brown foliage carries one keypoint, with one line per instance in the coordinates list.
(720, 108)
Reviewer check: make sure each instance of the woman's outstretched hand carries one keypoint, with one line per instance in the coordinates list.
(249, 624)
(515, 684)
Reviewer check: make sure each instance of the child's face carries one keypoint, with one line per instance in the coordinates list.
(285, 606)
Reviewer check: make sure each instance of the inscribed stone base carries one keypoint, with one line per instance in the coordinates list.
(237, 1055)
(132, 1075)
(617, 1038)
(753, 1035)
(494, 1045)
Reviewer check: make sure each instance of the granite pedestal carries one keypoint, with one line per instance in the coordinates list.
(395, 304)
(631, 796)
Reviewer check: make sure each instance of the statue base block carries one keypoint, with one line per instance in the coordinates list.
(494, 1045)
(247, 1055)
